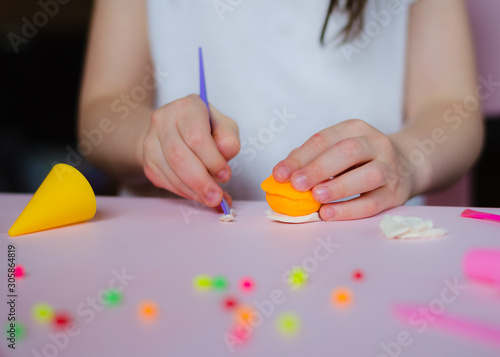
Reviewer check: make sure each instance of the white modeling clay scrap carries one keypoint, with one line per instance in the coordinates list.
(398, 227)
(313, 217)
(228, 217)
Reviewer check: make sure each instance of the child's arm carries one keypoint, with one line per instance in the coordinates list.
(441, 139)
(116, 62)
(172, 146)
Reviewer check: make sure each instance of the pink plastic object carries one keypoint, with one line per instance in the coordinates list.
(469, 213)
(19, 271)
(457, 325)
(483, 265)
(247, 284)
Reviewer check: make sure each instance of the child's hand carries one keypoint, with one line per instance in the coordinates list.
(361, 159)
(183, 155)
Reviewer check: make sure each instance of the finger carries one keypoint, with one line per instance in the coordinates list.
(363, 179)
(317, 144)
(194, 128)
(229, 201)
(225, 133)
(340, 157)
(159, 179)
(161, 175)
(189, 168)
(366, 205)
(301, 156)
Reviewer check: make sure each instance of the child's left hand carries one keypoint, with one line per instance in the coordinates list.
(360, 159)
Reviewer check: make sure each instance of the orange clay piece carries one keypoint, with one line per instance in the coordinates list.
(244, 313)
(342, 297)
(284, 199)
(148, 310)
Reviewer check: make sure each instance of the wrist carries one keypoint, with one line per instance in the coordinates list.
(413, 165)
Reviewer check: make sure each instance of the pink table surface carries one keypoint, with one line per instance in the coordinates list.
(160, 245)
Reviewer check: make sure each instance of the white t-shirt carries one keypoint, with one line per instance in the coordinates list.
(266, 69)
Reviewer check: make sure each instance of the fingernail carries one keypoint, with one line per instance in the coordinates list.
(299, 181)
(283, 172)
(327, 213)
(213, 198)
(322, 194)
(223, 175)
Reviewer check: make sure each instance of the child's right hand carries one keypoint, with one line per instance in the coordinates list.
(182, 154)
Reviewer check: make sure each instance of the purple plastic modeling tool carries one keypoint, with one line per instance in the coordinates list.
(203, 96)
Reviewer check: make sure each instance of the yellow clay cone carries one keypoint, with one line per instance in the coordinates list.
(64, 197)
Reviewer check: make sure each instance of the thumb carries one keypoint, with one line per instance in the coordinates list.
(229, 201)
(225, 133)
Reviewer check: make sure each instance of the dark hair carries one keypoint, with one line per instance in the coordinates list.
(354, 26)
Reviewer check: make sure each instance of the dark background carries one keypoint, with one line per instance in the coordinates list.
(39, 93)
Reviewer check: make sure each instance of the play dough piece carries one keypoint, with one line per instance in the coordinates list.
(342, 297)
(245, 314)
(230, 303)
(358, 275)
(241, 332)
(398, 227)
(61, 320)
(43, 313)
(112, 297)
(228, 217)
(64, 197)
(19, 271)
(288, 324)
(313, 217)
(219, 282)
(298, 278)
(15, 330)
(148, 310)
(247, 284)
(284, 199)
(202, 282)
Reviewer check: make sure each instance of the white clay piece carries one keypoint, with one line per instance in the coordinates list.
(398, 227)
(313, 217)
(228, 217)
